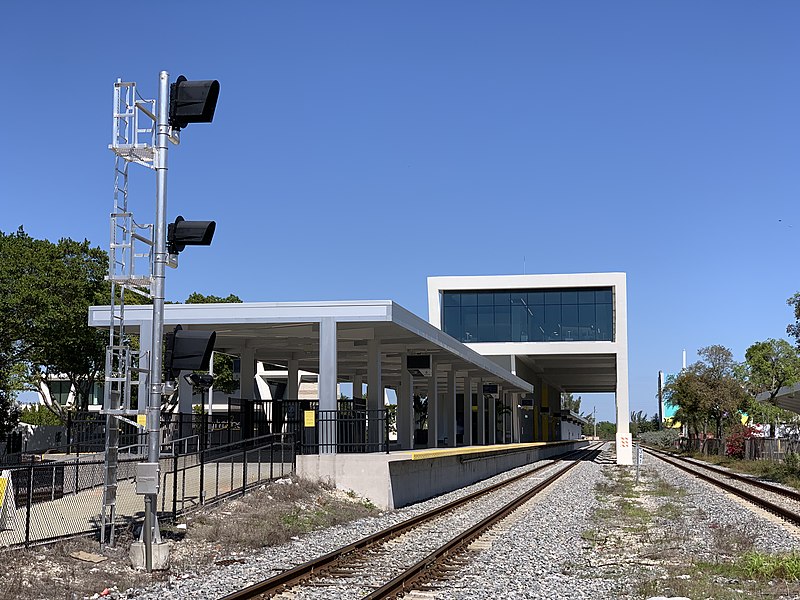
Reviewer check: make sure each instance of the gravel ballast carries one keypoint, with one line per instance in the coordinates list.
(569, 543)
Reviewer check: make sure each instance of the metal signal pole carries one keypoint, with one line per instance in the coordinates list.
(151, 530)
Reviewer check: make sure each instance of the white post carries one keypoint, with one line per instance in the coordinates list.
(467, 410)
(374, 389)
(481, 414)
(405, 407)
(451, 407)
(292, 379)
(433, 406)
(327, 382)
(247, 374)
(493, 419)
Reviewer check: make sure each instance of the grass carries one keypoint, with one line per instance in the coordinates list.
(779, 472)
(752, 575)
(651, 517)
(276, 514)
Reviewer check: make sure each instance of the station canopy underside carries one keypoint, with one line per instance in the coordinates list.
(278, 332)
(788, 398)
(576, 373)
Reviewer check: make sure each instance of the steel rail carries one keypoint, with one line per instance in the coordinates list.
(793, 494)
(782, 512)
(403, 583)
(327, 561)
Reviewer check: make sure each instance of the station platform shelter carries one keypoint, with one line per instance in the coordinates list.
(363, 343)
(500, 349)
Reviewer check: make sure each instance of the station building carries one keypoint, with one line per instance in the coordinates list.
(500, 349)
(559, 332)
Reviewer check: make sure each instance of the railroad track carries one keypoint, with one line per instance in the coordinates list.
(369, 556)
(778, 500)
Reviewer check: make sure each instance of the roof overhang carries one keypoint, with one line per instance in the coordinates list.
(280, 331)
(788, 398)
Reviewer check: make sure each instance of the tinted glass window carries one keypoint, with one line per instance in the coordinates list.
(528, 315)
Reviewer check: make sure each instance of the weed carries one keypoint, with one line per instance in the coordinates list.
(732, 540)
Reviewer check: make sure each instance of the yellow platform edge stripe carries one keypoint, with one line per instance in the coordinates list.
(422, 454)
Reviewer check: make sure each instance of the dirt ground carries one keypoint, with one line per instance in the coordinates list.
(268, 516)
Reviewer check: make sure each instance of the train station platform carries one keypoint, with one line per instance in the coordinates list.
(404, 477)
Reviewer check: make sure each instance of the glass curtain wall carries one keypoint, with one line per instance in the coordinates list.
(558, 315)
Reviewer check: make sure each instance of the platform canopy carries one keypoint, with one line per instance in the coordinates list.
(278, 331)
(788, 398)
(577, 372)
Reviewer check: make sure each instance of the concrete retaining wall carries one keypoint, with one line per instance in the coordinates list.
(395, 480)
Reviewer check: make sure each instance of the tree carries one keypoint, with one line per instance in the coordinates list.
(606, 430)
(224, 380)
(641, 423)
(708, 394)
(569, 402)
(46, 289)
(769, 366)
(198, 298)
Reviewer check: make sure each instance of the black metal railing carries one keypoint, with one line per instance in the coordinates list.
(50, 500)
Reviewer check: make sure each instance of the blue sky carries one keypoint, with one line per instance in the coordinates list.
(359, 147)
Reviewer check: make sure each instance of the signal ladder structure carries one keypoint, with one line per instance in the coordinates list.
(126, 367)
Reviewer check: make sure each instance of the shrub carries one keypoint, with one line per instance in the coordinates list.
(739, 434)
(664, 438)
(36, 414)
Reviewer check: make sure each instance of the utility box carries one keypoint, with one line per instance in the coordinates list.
(147, 478)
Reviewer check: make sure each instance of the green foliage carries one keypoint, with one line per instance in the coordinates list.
(770, 365)
(198, 298)
(757, 565)
(224, 380)
(709, 394)
(46, 289)
(662, 438)
(641, 423)
(36, 414)
(606, 430)
(569, 402)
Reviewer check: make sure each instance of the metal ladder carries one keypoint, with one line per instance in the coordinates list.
(131, 245)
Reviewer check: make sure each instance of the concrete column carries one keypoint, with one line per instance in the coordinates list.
(292, 380)
(374, 390)
(467, 410)
(517, 421)
(405, 407)
(452, 428)
(492, 433)
(247, 373)
(358, 385)
(327, 382)
(433, 407)
(506, 417)
(624, 443)
(481, 433)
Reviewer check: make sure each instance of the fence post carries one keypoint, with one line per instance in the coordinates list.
(386, 421)
(201, 499)
(77, 470)
(69, 431)
(30, 504)
(272, 455)
(175, 487)
(244, 469)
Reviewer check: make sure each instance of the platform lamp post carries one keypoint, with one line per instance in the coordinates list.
(181, 103)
